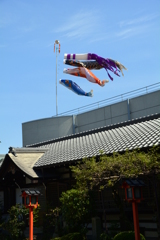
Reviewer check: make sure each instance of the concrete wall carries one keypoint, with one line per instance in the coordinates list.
(119, 112)
(145, 105)
(50, 128)
(104, 116)
(46, 129)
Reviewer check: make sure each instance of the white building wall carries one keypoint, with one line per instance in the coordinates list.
(145, 105)
(46, 129)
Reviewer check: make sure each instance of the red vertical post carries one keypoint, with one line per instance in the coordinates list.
(30, 223)
(136, 220)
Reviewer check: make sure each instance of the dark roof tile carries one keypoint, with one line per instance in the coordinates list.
(139, 133)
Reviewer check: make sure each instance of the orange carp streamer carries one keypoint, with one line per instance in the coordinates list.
(85, 73)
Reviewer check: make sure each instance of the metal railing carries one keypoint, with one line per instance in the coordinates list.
(118, 98)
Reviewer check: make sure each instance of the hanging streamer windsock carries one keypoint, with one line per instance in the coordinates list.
(92, 64)
(85, 73)
(75, 88)
(87, 64)
(106, 63)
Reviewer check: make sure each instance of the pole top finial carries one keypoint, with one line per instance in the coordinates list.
(57, 42)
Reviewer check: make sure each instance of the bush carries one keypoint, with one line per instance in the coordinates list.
(77, 209)
(105, 236)
(52, 224)
(14, 227)
(127, 235)
(16, 224)
(71, 236)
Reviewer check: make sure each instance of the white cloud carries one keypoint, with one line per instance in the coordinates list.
(140, 20)
(133, 31)
(91, 25)
(136, 26)
(80, 25)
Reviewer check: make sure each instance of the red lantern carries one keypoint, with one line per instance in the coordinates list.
(30, 198)
(133, 194)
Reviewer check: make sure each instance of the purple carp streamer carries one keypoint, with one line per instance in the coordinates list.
(106, 63)
(119, 65)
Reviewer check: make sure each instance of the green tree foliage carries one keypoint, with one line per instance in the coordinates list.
(105, 171)
(71, 236)
(72, 217)
(14, 227)
(108, 170)
(52, 223)
(127, 236)
(76, 209)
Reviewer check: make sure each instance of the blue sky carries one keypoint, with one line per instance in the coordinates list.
(127, 31)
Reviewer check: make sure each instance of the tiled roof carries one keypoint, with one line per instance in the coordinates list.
(2, 156)
(26, 158)
(139, 133)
